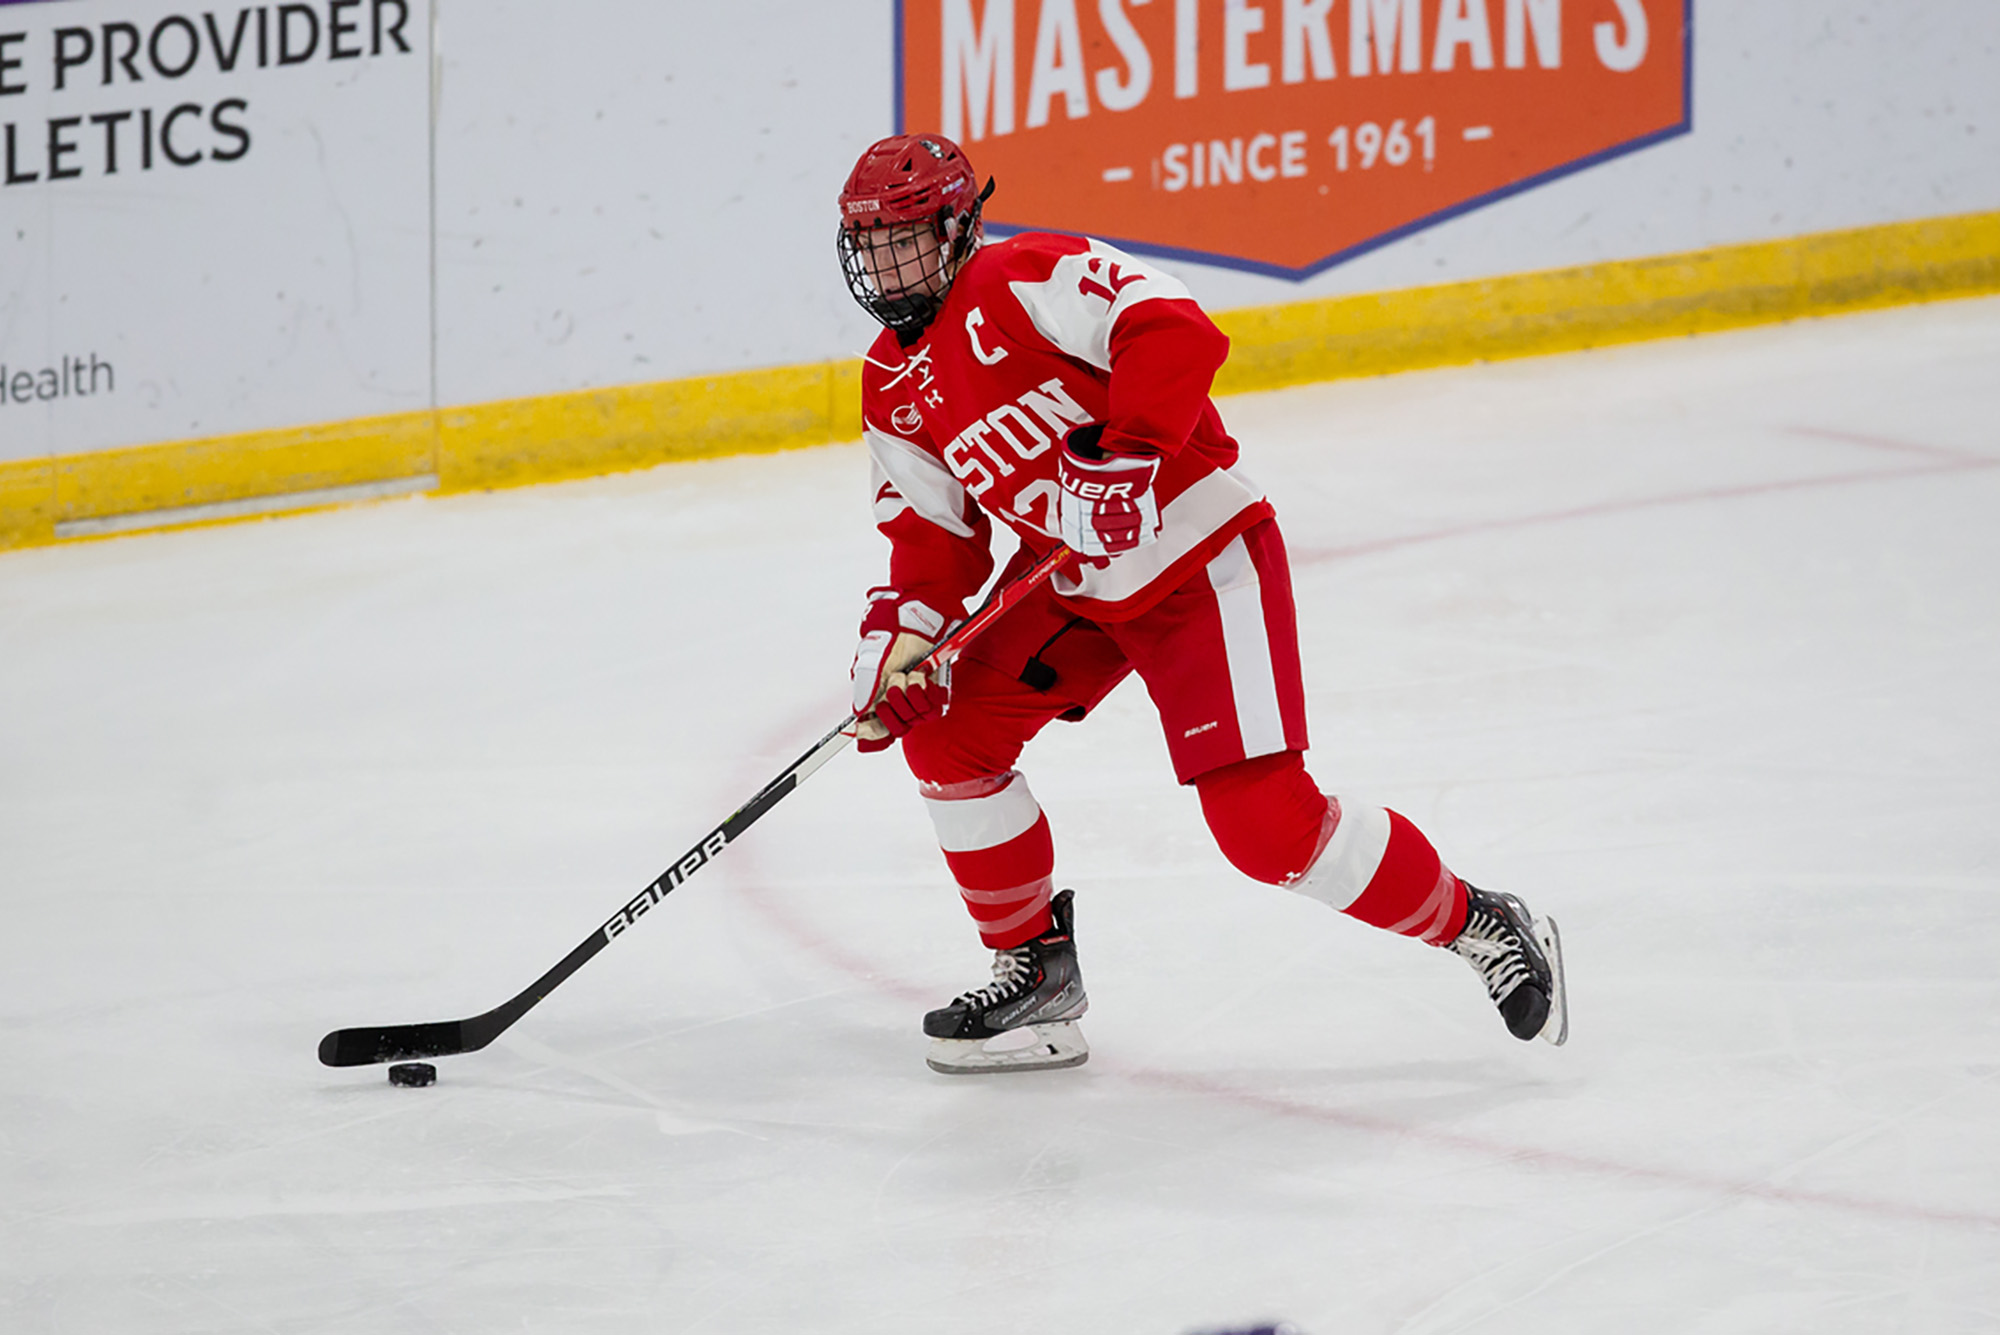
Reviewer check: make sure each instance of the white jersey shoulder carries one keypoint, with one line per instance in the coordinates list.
(1077, 305)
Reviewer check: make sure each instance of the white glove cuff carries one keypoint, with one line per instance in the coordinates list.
(920, 618)
(868, 656)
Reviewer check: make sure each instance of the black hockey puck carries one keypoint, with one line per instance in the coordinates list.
(414, 1074)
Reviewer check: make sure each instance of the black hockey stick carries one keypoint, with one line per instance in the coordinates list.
(444, 1038)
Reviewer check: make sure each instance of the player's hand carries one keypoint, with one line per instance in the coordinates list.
(889, 698)
(908, 698)
(1106, 505)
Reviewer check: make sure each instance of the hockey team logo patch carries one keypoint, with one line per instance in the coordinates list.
(1284, 136)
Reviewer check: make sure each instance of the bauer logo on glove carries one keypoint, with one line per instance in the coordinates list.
(1106, 505)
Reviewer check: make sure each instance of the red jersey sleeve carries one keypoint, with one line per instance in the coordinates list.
(1164, 356)
(1137, 325)
(940, 541)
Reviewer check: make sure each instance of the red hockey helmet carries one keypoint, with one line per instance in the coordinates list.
(917, 186)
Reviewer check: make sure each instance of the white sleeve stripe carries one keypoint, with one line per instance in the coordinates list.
(925, 484)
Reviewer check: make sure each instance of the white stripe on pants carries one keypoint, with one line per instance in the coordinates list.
(1239, 597)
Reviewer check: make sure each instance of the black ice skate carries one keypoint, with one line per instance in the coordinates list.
(1025, 1019)
(1519, 958)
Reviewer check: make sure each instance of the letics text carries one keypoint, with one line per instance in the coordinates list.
(68, 65)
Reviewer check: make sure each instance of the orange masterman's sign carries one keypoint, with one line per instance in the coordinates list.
(1283, 136)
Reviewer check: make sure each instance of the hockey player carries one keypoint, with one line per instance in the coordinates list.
(1061, 386)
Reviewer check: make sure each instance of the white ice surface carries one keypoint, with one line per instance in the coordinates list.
(1694, 644)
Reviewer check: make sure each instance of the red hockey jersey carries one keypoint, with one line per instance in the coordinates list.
(1039, 334)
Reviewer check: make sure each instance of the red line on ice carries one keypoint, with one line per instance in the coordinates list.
(816, 942)
(1953, 464)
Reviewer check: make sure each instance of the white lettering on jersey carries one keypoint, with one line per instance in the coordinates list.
(1026, 436)
(919, 365)
(1052, 403)
(1039, 493)
(1017, 425)
(962, 457)
(1076, 306)
(972, 324)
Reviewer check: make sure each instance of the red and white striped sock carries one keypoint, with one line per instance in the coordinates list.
(1374, 865)
(997, 843)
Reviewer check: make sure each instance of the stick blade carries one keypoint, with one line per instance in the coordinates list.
(395, 1043)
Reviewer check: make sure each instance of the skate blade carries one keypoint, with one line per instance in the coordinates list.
(1556, 1028)
(1035, 1047)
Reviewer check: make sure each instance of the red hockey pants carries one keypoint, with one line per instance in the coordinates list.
(1219, 656)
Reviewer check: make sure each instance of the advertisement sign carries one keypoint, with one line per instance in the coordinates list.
(1284, 136)
(212, 220)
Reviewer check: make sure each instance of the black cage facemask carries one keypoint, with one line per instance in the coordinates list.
(910, 313)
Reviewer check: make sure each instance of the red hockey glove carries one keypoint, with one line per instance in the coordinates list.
(911, 698)
(889, 699)
(1106, 506)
